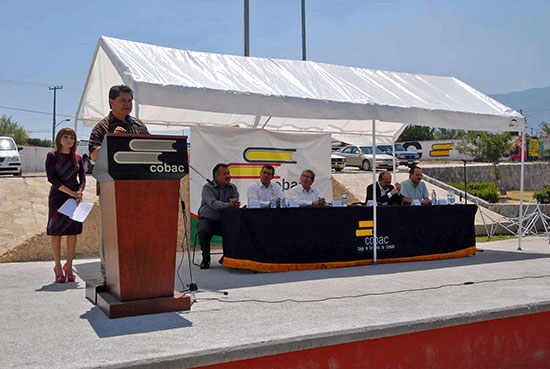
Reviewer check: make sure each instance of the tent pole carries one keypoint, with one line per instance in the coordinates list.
(374, 184)
(85, 87)
(393, 155)
(267, 121)
(257, 121)
(522, 152)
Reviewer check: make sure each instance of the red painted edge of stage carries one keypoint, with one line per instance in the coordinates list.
(514, 342)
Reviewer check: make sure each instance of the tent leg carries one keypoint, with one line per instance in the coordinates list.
(374, 184)
(393, 155)
(522, 154)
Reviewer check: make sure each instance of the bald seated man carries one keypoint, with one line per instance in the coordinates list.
(386, 193)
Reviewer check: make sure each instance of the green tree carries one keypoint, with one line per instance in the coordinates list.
(487, 147)
(544, 128)
(13, 130)
(449, 134)
(39, 142)
(416, 133)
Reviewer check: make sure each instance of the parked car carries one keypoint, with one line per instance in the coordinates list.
(408, 158)
(10, 161)
(362, 157)
(83, 151)
(338, 162)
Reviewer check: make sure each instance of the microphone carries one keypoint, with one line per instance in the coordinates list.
(200, 174)
(131, 120)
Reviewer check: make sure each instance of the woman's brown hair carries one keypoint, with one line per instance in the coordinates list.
(69, 132)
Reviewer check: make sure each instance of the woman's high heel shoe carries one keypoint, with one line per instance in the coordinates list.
(58, 279)
(70, 277)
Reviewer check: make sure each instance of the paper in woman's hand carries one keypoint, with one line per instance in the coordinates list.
(76, 211)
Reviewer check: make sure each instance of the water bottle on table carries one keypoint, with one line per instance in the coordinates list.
(451, 197)
(283, 199)
(344, 198)
(434, 197)
(273, 202)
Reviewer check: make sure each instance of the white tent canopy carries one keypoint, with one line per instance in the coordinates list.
(178, 88)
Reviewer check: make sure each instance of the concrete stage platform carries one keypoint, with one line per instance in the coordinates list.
(361, 316)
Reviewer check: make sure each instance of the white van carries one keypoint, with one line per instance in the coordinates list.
(10, 161)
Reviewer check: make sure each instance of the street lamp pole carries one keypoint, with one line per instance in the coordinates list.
(55, 88)
(64, 120)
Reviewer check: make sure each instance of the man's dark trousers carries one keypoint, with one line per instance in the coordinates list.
(207, 228)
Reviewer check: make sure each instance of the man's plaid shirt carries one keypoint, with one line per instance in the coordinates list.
(108, 125)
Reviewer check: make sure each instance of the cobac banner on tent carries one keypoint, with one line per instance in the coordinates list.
(246, 150)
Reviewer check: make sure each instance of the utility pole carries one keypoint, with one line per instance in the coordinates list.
(246, 27)
(55, 88)
(303, 29)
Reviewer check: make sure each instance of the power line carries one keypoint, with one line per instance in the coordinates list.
(35, 84)
(537, 111)
(22, 83)
(34, 111)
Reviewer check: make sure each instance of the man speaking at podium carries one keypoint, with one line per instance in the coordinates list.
(118, 121)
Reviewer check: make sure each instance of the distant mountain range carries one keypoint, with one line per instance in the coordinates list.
(534, 103)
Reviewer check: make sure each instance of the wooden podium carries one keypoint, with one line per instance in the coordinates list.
(139, 180)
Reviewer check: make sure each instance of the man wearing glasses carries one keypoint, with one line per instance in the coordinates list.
(386, 194)
(304, 193)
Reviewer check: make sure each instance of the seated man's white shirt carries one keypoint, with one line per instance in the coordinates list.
(304, 198)
(383, 192)
(257, 192)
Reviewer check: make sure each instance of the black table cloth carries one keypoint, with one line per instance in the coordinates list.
(288, 239)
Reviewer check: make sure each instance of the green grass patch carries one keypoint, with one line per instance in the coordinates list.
(484, 190)
(481, 239)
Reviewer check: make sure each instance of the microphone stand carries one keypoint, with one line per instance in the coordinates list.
(193, 288)
(465, 185)
(200, 174)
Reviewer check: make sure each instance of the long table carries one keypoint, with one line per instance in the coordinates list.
(288, 239)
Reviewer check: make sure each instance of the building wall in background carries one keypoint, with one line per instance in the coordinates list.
(536, 174)
(33, 158)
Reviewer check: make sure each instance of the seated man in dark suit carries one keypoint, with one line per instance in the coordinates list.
(386, 194)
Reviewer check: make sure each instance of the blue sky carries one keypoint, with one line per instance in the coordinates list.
(494, 46)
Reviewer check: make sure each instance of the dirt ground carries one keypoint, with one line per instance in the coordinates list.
(39, 247)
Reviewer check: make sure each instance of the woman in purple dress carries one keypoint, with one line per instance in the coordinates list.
(65, 171)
